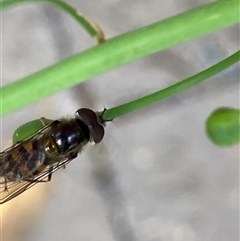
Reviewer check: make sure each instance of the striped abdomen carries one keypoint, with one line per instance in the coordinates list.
(23, 161)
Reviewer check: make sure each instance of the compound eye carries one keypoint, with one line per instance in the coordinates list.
(90, 118)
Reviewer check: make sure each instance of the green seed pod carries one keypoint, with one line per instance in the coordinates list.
(223, 126)
(28, 129)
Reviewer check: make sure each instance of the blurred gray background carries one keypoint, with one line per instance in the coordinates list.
(156, 176)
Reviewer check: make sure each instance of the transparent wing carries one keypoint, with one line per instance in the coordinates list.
(10, 190)
(19, 153)
(36, 135)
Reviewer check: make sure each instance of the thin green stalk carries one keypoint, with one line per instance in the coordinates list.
(171, 90)
(62, 5)
(119, 51)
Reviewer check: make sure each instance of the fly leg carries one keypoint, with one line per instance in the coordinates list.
(49, 176)
(72, 156)
(5, 184)
(50, 173)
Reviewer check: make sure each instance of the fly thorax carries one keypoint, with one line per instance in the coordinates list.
(68, 137)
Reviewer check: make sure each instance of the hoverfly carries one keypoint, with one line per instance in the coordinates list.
(53, 146)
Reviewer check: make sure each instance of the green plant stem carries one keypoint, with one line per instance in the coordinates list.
(62, 5)
(171, 90)
(119, 51)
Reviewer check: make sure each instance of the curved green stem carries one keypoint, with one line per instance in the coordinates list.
(171, 90)
(119, 51)
(64, 6)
